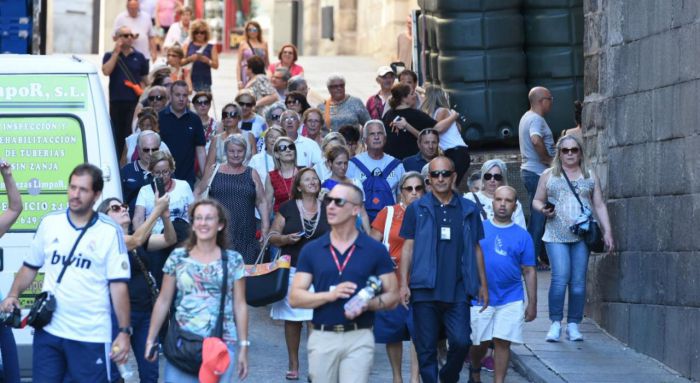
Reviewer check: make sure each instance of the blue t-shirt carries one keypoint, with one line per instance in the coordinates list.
(506, 249)
(137, 65)
(369, 258)
(182, 135)
(449, 286)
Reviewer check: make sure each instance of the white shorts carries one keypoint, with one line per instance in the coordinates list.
(281, 310)
(502, 322)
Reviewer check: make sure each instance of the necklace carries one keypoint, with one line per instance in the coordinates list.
(309, 224)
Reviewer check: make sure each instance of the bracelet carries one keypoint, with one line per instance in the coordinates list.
(244, 343)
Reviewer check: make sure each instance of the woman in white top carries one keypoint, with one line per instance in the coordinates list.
(251, 121)
(437, 105)
(494, 175)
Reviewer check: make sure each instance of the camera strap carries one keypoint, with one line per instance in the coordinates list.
(69, 260)
(583, 210)
(484, 216)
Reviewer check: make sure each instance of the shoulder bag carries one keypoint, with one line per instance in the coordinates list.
(266, 283)
(484, 216)
(45, 303)
(183, 348)
(205, 193)
(592, 235)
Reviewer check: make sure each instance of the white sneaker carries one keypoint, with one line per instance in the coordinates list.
(573, 332)
(554, 332)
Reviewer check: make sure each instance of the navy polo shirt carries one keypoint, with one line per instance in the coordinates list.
(369, 258)
(137, 65)
(449, 286)
(182, 135)
(414, 162)
(133, 178)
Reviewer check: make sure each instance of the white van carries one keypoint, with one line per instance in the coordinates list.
(53, 116)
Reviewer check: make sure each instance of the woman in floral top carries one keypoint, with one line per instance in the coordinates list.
(196, 273)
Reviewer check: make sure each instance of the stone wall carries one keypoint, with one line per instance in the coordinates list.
(642, 126)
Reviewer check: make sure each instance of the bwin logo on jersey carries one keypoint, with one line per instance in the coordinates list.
(78, 261)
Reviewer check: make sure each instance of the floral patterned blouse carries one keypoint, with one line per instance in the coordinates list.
(199, 292)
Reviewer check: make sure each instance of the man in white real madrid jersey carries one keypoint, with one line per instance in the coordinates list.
(76, 344)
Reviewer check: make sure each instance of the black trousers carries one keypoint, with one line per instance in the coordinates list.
(122, 114)
(460, 156)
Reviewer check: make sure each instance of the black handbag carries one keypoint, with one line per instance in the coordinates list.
(267, 283)
(593, 237)
(45, 303)
(183, 348)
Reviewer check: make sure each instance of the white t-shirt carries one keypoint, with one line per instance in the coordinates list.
(142, 25)
(532, 124)
(83, 311)
(131, 142)
(176, 34)
(308, 152)
(518, 216)
(180, 199)
(263, 163)
(451, 137)
(372, 164)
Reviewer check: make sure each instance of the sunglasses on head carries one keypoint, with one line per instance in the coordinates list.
(285, 147)
(410, 189)
(569, 150)
(119, 208)
(438, 173)
(340, 202)
(247, 104)
(497, 177)
(229, 115)
(156, 98)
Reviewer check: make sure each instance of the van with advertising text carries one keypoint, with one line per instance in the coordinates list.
(53, 117)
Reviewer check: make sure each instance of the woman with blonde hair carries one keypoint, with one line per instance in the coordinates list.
(253, 45)
(203, 56)
(331, 139)
(278, 186)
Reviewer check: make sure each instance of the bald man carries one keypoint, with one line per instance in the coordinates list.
(537, 151)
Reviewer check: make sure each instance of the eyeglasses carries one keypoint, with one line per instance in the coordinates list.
(336, 86)
(497, 177)
(200, 32)
(285, 147)
(252, 29)
(229, 115)
(569, 150)
(156, 98)
(119, 208)
(162, 173)
(204, 102)
(287, 52)
(293, 102)
(150, 150)
(129, 35)
(443, 173)
(340, 202)
(410, 189)
(290, 119)
(248, 104)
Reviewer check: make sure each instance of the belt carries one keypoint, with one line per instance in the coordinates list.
(340, 327)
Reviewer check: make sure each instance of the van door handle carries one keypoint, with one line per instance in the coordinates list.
(106, 172)
(2, 259)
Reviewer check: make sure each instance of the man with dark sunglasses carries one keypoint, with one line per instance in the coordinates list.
(442, 267)
(340, 263)
(135, 174)
(428, 144)
(124, 65)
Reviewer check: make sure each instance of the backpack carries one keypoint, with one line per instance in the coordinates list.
(378, 192)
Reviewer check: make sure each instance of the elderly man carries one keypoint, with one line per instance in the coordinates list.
(376, 104)
(280, 79)
(124, 65)
(428, 144)
(135, 174)
(537, 150)
(379, 172)
(140, 24)
(341, 109)
(441, 267)
(308, 152)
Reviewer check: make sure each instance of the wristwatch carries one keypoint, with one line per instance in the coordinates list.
(127, 330)
(244, 343)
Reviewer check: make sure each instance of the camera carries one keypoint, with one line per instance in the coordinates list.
(11, 319)
(581, 225)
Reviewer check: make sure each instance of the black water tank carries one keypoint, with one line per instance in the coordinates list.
(554, 48)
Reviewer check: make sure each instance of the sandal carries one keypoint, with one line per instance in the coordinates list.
(292, 375)
(474, 371)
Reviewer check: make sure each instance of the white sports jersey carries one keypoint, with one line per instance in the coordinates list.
(83, 310)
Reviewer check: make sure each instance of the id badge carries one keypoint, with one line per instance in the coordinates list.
(445, 233)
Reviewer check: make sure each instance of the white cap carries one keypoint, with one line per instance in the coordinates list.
(384, 70)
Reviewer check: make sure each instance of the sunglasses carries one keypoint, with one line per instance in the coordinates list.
(200, 32)
(156, 98)
(497, 177)
(285, 147)
(252, 29)
(336, 86)
(410, 189)
(150, 150)
(340, 202)
(275, 117)
(202, 102)
(248, 104)
(569, 150)
(119, 208)
(443, 173)
(293, 102)
(229, 115)
(128, 35)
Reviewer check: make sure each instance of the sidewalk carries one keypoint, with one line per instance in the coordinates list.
(599, 358)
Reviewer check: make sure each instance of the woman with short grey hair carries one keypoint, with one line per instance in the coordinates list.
(230, 117)
(494, 173)
(341, 109)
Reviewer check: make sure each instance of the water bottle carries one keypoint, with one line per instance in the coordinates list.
(354, 306)
(125, 370)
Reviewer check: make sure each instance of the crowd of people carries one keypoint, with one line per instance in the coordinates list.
(348, 189)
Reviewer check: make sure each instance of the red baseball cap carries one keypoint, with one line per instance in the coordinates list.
(215, 360)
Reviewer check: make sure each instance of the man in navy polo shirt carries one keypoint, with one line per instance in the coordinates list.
(123, 99)
(428, 144)
(441, 268)
(181, 129)
(338, 265)
(135, 174)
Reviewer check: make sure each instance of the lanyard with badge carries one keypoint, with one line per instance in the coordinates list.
(338, 265)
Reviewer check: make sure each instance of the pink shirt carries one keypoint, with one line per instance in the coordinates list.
(294, 70)
(166, 12)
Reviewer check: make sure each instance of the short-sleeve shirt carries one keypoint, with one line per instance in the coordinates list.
(182, 135)
(138, 67)
(352, 111)
(308, 152)
(140, 24)
(199, 292)
(414, 163)
(372, 164)
(506, 249)
(402, 143)
(293, 224)
(83, 311)
(180, 199)
(369, 258)
(133, 178)
(532, 124)
(487, 204)
(395, 240)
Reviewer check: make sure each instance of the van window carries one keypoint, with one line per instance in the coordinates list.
(43, 150)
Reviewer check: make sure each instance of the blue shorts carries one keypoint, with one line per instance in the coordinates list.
(393, 326)
(57, 359)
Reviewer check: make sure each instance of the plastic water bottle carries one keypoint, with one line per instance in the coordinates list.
(125, 371)
(354, 306)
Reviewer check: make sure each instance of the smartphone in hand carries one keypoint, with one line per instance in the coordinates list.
(160, 186)
(153, 351)
(549, 206)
